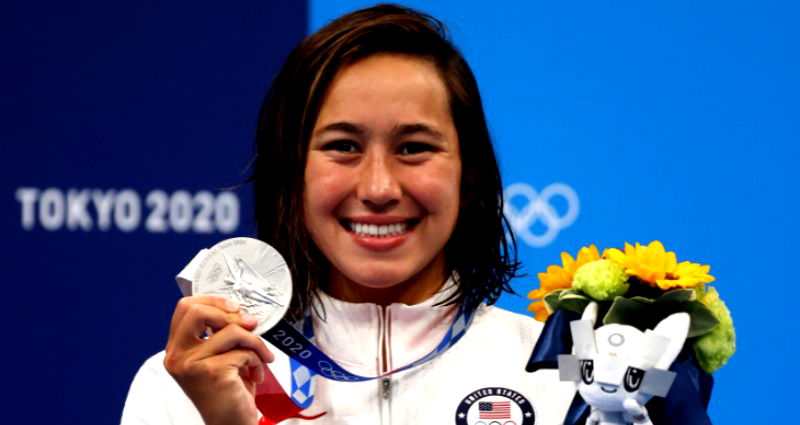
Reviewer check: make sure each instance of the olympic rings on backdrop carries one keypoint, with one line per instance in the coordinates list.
(539, 208)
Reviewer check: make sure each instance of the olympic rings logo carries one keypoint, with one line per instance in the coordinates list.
(327, 370)
(539, 208)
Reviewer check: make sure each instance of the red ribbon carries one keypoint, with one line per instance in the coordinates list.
(274, 404)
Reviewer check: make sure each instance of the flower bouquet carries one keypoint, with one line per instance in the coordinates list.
(640, 288)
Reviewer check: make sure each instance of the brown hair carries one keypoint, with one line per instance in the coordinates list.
(478, 250)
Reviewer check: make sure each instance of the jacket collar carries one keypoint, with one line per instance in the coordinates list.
(366, 338)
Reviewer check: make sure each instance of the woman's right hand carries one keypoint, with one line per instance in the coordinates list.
(219, 373)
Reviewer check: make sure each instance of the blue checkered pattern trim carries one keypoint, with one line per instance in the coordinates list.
(303, 377)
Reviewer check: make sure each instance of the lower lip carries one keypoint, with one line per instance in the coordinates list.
(382, 244)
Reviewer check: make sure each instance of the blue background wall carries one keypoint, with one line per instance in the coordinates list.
(148, 97)
(668, 121)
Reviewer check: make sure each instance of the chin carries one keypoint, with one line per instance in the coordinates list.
(396, 278)
(379, 279)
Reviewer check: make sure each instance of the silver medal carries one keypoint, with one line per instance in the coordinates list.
(249, 272)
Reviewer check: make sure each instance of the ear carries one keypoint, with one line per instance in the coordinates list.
(583, 343)
(676, 328)
(650, 350)
(590, 313)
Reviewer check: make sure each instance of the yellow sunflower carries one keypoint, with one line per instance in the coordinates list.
(658, 267)
(687, 275)
(559, 277)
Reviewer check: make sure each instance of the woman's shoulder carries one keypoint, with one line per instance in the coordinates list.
(494, 314)
(151, 373)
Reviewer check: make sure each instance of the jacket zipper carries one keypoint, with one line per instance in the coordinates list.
(387, 387)
(385, 365)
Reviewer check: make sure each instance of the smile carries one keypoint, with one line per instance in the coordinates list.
(372, 230)
(610, 390)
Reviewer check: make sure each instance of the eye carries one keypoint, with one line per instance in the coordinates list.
(587, 371)
(415, 148)
(633, 379)
(344, 146)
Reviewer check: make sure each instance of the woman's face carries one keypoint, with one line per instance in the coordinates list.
(382, 180)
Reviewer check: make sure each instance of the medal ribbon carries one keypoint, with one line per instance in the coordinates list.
(307, 360)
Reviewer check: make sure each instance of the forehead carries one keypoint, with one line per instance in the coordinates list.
(387, 87)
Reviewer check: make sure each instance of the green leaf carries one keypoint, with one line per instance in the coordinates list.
(567, 299)
(703, 319)
(552, 300)
(678, 295)
(574, 303)
(634, 311)
(645, 313)
(567, 292)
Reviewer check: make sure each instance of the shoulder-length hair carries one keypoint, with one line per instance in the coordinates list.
(481, 250)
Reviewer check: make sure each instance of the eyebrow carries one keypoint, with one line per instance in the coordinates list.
(397, 132)
(409, 129)
(344, 126)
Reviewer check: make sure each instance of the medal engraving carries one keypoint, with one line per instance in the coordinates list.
(249, 272)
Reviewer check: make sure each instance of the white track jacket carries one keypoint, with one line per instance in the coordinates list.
(465, 385)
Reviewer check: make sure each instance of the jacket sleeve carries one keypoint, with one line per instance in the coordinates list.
(154, 398)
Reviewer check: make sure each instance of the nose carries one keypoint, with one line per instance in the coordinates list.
(378, 186)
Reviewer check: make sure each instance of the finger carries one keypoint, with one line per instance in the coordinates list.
(185, 304)
(222, 365)
(259, 373)
(234, 337)
(240, 358)
(198, 317)
(254, 373)
(245, 363)
(251, 375)
(254, 376)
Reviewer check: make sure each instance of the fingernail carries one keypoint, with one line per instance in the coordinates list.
(248, 317)
(231, 305)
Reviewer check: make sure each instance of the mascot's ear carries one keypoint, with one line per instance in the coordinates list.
(676, 328)
(583, 343)
(590, 313)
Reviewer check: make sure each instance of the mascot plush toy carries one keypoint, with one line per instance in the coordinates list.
(619, 368)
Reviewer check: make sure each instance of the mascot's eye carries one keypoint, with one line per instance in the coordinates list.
(633, 378)
(587, 371)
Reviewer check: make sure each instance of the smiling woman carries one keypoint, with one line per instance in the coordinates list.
(376, 178)
(382, 180)
(321, 74)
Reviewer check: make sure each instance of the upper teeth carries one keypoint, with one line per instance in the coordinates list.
(375, 230)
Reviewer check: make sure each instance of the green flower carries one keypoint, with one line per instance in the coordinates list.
(601, 279)
(715, 348)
